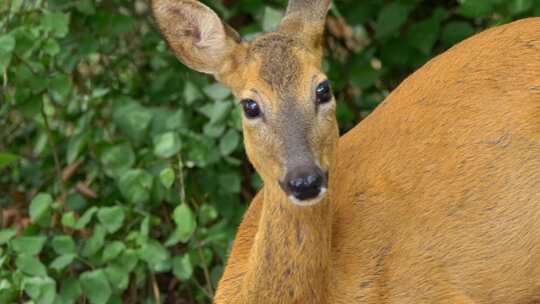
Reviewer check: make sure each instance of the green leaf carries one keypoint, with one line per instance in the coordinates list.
(95, 242)
(185, 222)
(76, 202)
(85, 218)
(215, 274)
(51, 47)
(30, 265)
(76, 146)
(118, 277)
(166, 176)
(56, 23)
(30, 245)
(86, 7)
(218, 111)
(364, 76)
(96, 287)
(7, 45)
(117, 159)
(135, 185)
(120, 24)
(100, 92)
(475, 8)
(111, 218)
(191, 93)
(423, 35)
(113, 250)
(517, 7)
(133, 119)
(182, 267)
(202, 151)
(217, 91)
(6, 158)
(145, 226)
(165, 120)
(6, 235)
(7, 292)
(155, 255)
(69, 220)
(207, 213)
(40, 209)
(391, 18)
(70, 292)
(166, 144)
(128, 260)
(456, 31)
(230, 182)
(213, 130)
(40, 289)
(229, 142)
(16, 6)
(272, 18)
(62, 262)
(63, 244)
(204, 259)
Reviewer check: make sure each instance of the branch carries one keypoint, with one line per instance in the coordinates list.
(209, 287)
(53, 150)
(155, 288)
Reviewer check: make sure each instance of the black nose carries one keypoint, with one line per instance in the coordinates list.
(304, 183)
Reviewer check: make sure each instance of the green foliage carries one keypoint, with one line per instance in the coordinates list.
(96, 287)
(40, 209)
(122, 173)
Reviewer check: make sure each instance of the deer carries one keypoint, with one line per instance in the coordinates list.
(433, 198)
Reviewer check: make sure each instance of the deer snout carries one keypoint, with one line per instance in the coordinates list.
(305, 186)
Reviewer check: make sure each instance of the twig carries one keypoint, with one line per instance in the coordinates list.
(155, 288)
(181, 187)
(203, 289)
(28, 65)
(5, 77)
(132, 292)
(205, 270)
(53, 149)
(11, 126)
(8, 17)
(85, 262)
(209, 289)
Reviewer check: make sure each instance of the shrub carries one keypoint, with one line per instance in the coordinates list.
(122, 173)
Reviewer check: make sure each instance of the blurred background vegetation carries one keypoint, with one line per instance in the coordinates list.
(122, 173)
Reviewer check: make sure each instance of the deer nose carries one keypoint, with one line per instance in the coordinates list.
(304, 183)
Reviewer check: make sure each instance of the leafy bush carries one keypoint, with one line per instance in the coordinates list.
(122, 173)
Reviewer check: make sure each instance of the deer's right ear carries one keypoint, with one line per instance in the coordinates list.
(195, 33)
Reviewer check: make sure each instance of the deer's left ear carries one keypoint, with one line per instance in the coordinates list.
(196, 34)
(306, 18)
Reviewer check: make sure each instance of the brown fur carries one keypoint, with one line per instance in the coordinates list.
(434, 198)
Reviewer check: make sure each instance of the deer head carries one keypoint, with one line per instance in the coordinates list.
(290, 130)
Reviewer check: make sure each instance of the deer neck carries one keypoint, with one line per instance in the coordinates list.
(290, 258)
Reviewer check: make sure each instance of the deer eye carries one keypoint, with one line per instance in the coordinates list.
(251, 108)
(323, 92)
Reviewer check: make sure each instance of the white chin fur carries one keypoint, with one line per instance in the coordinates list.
(310, 202)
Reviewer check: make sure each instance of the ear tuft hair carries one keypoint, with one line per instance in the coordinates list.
(307, 18)
(309, 10)
(195, 33)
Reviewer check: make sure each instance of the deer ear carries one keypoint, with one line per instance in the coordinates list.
(306, 18)
(195, 33)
